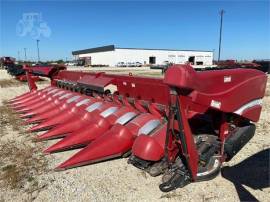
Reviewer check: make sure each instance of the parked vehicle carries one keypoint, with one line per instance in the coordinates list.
(166, 63)
(130, 64)
(121, 64)
(138, 64)
(71, 63)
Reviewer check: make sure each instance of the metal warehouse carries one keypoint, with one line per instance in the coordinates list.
(112, 55)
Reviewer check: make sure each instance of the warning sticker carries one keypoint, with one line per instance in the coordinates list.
(215, 104)
(227, 79)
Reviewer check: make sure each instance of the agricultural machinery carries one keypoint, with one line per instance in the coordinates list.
(182, 127)
(20, 74)
(6, 62)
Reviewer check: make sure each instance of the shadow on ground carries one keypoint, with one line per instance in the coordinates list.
(252, 172)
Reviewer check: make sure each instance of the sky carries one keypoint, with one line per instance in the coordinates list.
(64, 26)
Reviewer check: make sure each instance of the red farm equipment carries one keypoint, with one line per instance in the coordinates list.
(21, 75)
(5, 62)
(183, 126)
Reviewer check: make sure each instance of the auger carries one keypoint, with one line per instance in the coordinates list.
(183, 126)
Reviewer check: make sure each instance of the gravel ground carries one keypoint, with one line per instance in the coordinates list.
(246, 175)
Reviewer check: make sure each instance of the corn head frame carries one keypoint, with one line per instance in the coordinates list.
(183, 126)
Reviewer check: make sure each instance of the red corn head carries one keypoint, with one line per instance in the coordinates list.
(90, 132)
(63, 129)
(30, 104)
(21, 97)
(33, 99)
(29, 95)
(26, 104)
(37, 118)
(59, 105)
(61, 114)
(68, 127)
(71, 111)
(44, 125)
(113, 143)
(36, 106)
(151, 147)
(49, 104)
(42, 109)
(82, 137)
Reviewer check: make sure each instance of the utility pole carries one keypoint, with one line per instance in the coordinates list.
(220, 32)
(38, 49)
(25, 58)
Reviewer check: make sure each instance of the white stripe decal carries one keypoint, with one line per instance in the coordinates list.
(108, 112)
(53, 91)
(59, 93)
(83, 102)
(148, 127)
(65, 96)
(248, 105)
(125, 118)
(93, 107)
(73, 99)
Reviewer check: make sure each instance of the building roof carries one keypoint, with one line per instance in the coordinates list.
(94, 50)
(113, 47)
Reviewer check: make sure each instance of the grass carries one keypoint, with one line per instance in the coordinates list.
(8, 118)
(22, 164)
(20, 161)
(143, 173)
(4, 83)
(267, 91)
(171, 195)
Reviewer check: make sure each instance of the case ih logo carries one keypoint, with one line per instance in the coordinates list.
(32, 24)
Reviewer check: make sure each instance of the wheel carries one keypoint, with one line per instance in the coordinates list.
(209, 171)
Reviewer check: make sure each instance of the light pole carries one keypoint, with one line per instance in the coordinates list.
(38, 49)
(25, 58)
(220, 32)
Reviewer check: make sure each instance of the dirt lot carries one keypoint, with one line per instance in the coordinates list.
(26, 174)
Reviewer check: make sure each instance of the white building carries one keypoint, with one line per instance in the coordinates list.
(111, 55)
